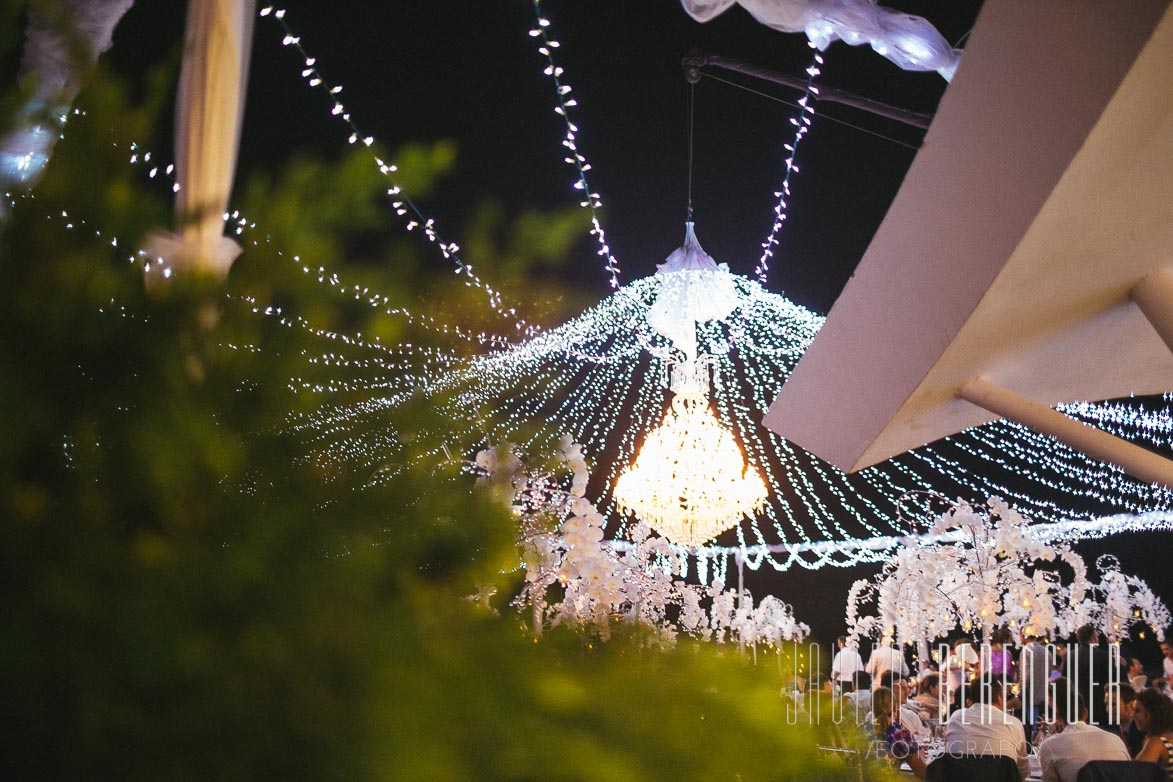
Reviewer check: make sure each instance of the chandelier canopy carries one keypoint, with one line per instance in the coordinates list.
(690, 481)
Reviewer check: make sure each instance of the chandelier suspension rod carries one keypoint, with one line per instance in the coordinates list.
(828, 94)
(692, 76)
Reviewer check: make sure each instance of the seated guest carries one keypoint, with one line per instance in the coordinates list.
(928, 696)
(1136, 675)
(858, 703)
(985, 729)
(890, 738)
(1153, 713)
(1075, 743)
(1034, 674)
(962, 698)
(908, 716)
(1120, 712)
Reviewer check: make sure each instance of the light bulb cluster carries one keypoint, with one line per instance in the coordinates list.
(690, 481)
(589, 199)
(403, 205)
(802, 124)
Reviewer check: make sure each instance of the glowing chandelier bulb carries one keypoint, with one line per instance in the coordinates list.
(690, 481)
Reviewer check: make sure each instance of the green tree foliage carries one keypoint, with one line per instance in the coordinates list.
(187, 593)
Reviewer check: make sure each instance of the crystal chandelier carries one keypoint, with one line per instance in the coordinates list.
(690, 481)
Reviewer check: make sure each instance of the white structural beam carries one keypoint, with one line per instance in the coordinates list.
(1138, 462)
(1154, 296)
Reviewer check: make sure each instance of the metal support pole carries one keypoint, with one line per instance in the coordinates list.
(1154, 296)
(825, 94)
(1137, 461)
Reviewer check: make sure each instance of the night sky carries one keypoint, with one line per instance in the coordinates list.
(468, 71)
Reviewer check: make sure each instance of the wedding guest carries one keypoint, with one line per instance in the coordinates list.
(1075, 743)
(958, 665)
(1136, 675)
(1034, 673)
(1089, 673)
(890, 738)
(1153, 713)
(961, 699)
(845, 663)
(1125, 699)
(859, 702)
(1001, 662)
(985, 729)
(908, 716)
(928, 694)
(886, 657)
(1167, 661)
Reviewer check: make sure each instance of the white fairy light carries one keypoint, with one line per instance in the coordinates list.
(403, 206)
(590, 199)
(801, 123)
(241, 224)
(586, 378)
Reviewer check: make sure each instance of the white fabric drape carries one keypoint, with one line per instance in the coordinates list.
(56, 52)
(209, 111)
(909, 41)
(693, 289)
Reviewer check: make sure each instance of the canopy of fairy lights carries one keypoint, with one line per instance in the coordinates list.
(602, 378)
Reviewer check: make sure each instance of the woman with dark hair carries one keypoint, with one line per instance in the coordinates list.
(889, 737)
(1001, 661)
(1153, 714)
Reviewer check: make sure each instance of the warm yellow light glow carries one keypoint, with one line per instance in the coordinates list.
(690, 481)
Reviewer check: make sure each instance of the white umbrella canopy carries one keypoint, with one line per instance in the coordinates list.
(1039, 201)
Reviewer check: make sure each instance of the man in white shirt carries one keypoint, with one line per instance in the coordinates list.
(1062, 756)
(845, 664)
(886, 657)
(984, 729)
(958, 665)
(1167, 651)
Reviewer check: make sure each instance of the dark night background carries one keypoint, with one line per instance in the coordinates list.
(468, 71)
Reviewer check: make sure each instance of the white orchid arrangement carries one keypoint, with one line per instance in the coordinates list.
(982, 569)
(599, 584)
(1119, 601)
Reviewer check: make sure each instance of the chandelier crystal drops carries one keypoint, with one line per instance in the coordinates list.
(690, 481)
